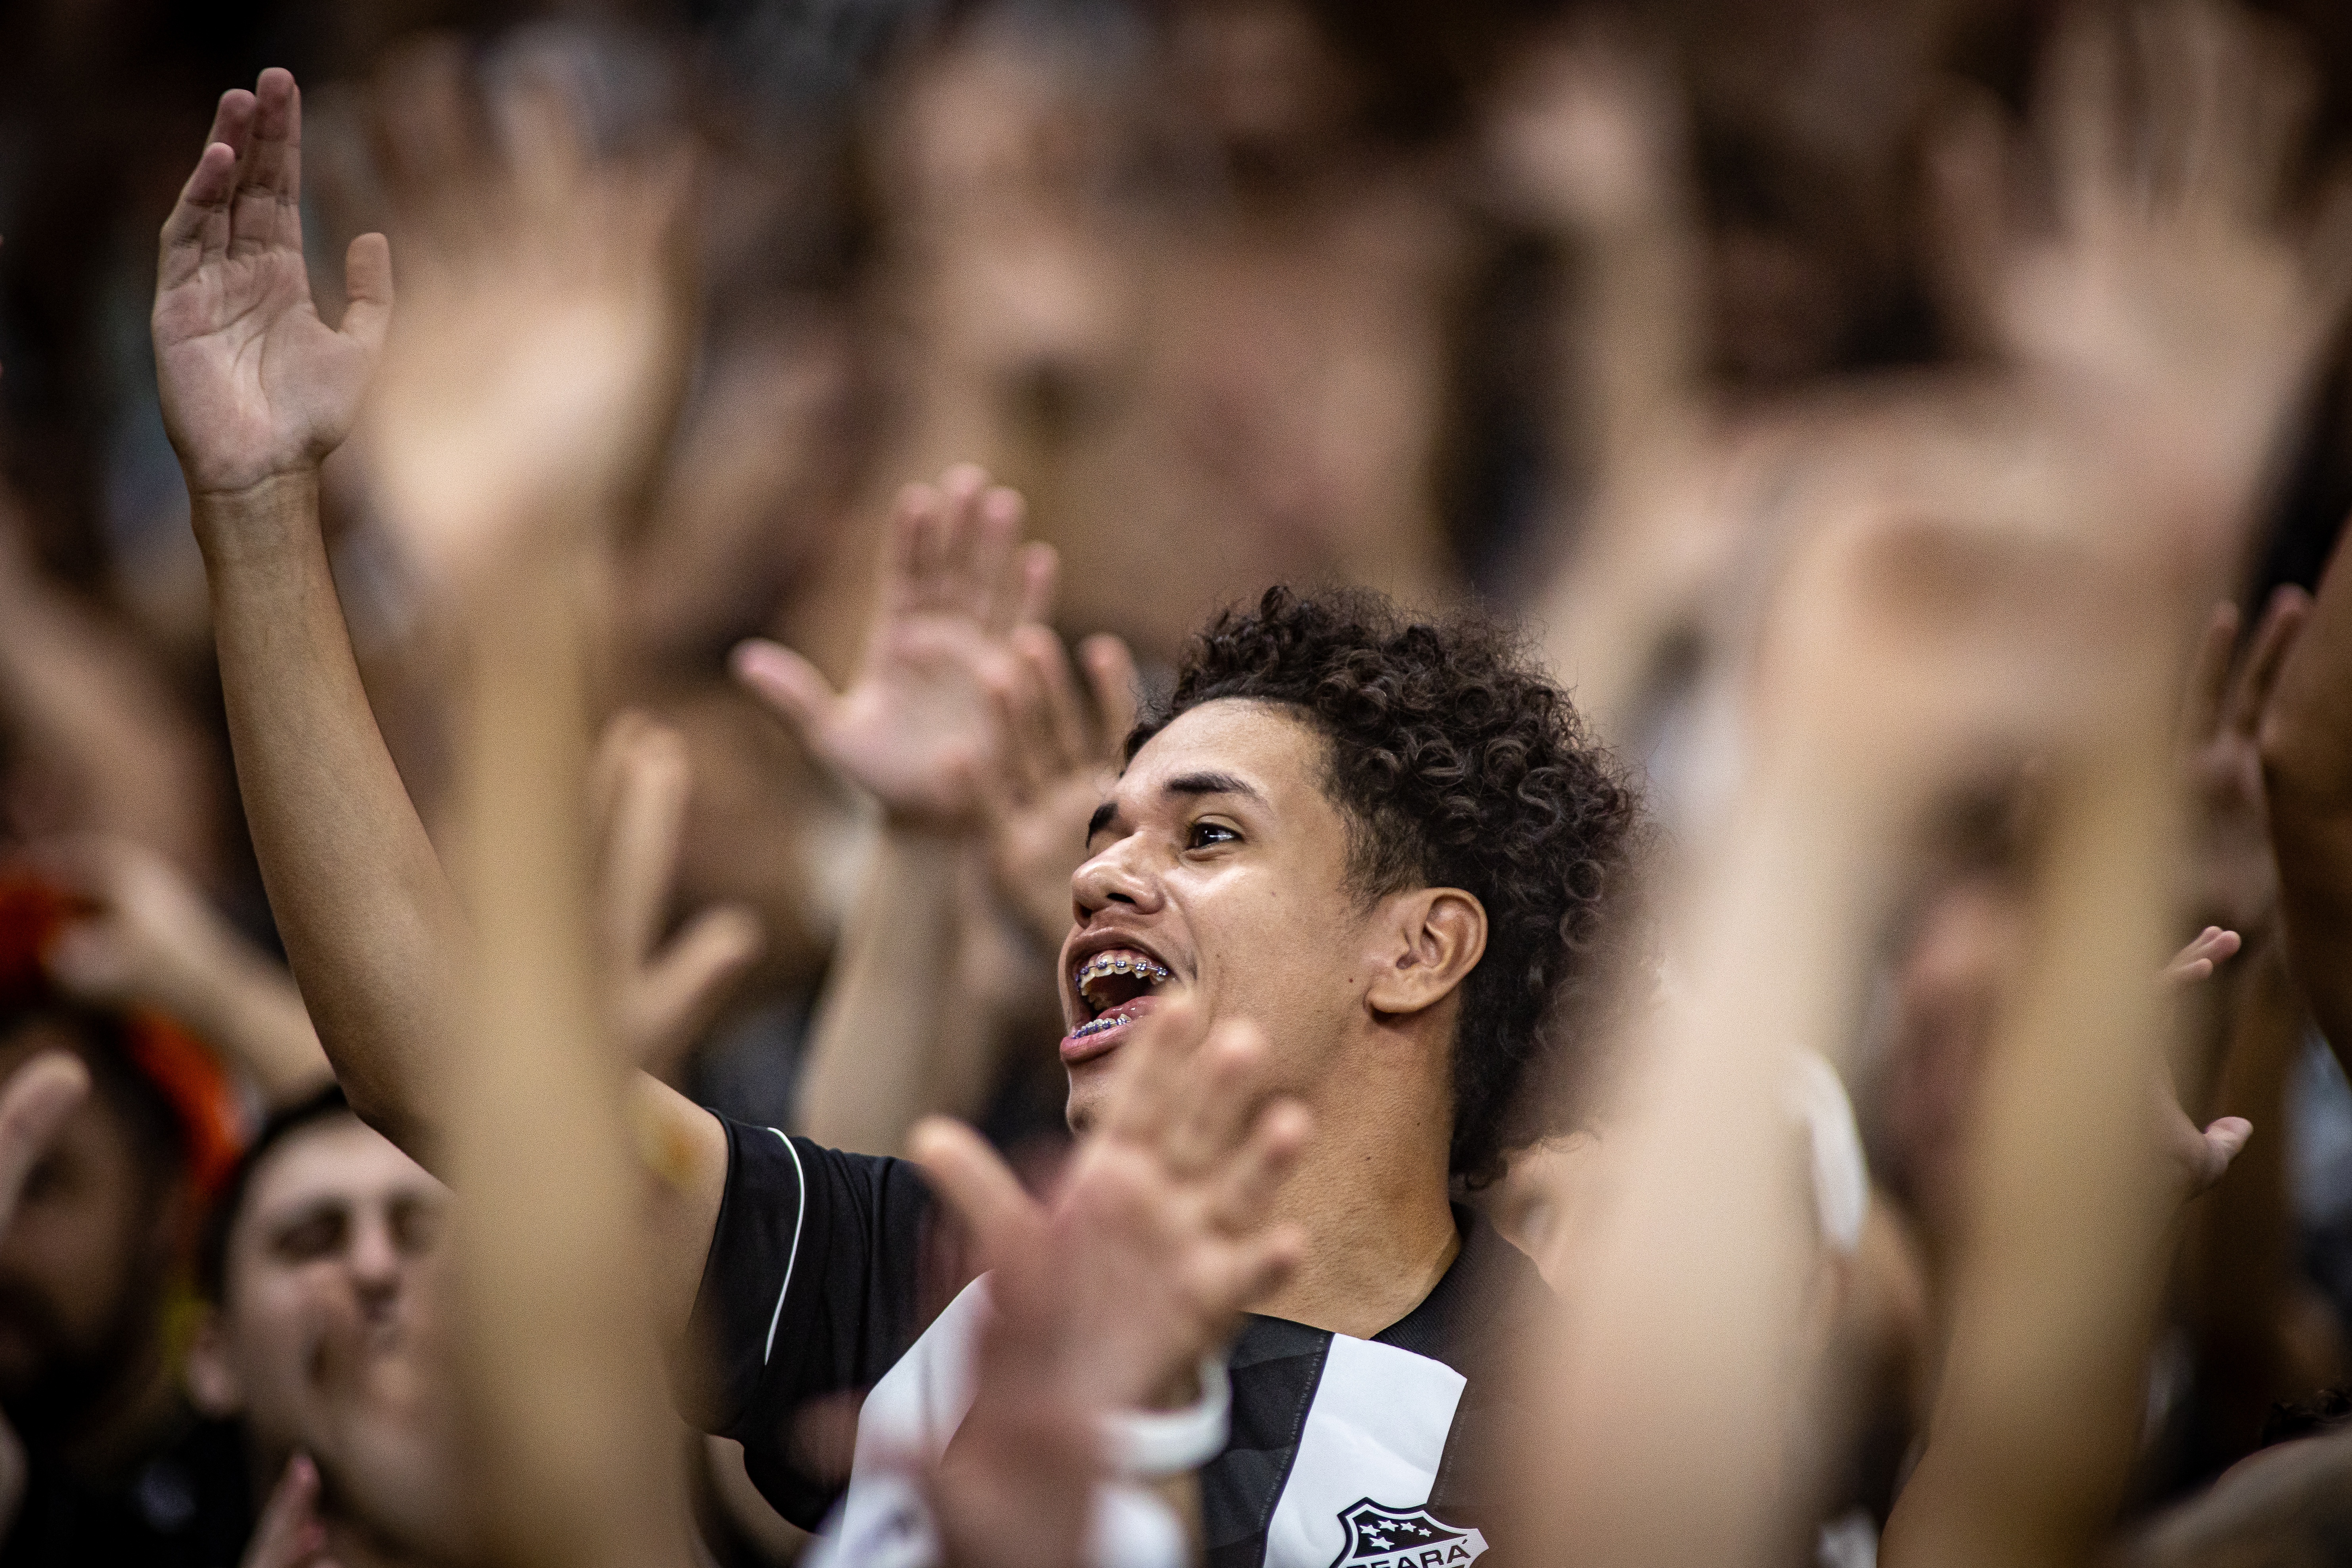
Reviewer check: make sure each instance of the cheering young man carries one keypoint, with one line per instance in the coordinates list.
(1387, 844)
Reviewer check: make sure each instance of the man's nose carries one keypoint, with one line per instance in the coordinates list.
(1118, 875)
(375, 1261)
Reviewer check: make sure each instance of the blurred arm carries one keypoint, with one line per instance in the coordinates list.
(156, 943)
(85, 703)
(887, 1029)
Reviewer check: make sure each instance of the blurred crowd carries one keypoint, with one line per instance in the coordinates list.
(634, 558)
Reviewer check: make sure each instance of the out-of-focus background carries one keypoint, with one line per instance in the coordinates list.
(1548, 305)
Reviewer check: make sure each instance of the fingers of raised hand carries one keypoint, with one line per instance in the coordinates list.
(641, 778)
(983, 1190)
(1246, 1181)
(1222, 1086)
(790, 684)
(2223, 1141)
(265, 213)
(1063, 730)
(1025, 752)
(1038, 568)
(680, 990)
(198, 226)
(1150, 1086)
(34, 1104)
(289, 1534)
(2079, 103)
(1110, 673)
(2196, 962)
(367, 288)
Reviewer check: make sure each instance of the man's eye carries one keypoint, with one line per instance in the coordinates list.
(1204, 834)
(311, 1238)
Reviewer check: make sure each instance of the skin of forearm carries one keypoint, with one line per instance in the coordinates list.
(2038, 1411)
(1695, 1286)
(567, 1398)
(248, 1008)
(372, 928)
(1636, 353)
(886, 1012)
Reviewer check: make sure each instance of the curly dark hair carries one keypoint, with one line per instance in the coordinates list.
(1457, 763)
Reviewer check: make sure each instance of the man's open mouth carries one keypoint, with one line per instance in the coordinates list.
(1109, 983)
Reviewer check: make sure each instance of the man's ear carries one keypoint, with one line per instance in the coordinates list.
(1434, 937)
(214, 1386)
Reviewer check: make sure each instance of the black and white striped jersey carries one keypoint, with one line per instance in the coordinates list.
(826, 1281)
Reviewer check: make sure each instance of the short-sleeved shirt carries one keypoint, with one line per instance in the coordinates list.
(1344, 1452)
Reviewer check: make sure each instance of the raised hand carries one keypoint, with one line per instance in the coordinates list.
(150, 939)
(1156, 1240)
(2174, 269)
(1056, 754)
(916, 729)
(1106, 1297)
(289, 1534)
(1589, 133)
(669, 992)
(254, 385)
(534, 372)
(2237, 878)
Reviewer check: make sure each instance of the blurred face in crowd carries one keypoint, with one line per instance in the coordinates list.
(1217, 869)
(1950, 986)
(326, 1339)
(1261, 74)
(84, 1262)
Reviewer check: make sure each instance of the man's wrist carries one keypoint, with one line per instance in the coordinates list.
(227, 517)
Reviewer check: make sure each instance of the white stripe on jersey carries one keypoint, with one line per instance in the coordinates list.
(799, 1213)
(1377, 1430)
(884, 1521)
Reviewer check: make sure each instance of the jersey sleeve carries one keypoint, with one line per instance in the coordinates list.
(812, 1290)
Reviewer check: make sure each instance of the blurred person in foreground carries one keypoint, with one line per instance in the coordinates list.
(1403, 933)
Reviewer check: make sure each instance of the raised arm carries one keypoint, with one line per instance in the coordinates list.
(916, 731)
(256, 390)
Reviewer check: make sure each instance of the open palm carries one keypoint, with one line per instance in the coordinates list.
(254, 384)
(916, 728)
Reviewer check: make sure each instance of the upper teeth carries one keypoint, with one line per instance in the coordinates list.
(1107, 964)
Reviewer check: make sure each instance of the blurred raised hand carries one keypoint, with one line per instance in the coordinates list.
(1589, 132)
(1058, 752)
(1105, 1296)
(2172, 263)
(532, 378)
(668, 991)
(150, 939)
(255, 385)
(915, 728)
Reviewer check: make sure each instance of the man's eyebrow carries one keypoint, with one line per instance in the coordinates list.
(1182, 784)
(1212, 783)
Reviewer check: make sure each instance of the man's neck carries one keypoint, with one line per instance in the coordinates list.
(1371, 1196)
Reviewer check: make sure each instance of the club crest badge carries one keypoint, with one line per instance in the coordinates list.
(1392, 1538)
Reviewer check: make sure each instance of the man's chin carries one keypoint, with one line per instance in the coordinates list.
(1089, 1088)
